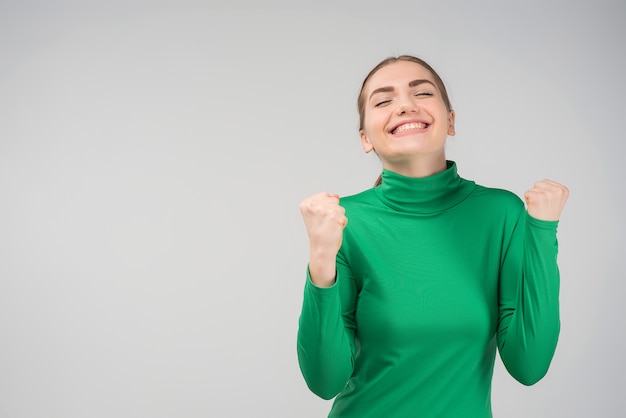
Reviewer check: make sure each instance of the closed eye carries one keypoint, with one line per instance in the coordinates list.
(423, 93)
(382, 103)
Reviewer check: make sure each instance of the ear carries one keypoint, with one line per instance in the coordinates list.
(367, 144)
(451, 130)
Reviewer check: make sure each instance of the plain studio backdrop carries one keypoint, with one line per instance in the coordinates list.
(153, 155)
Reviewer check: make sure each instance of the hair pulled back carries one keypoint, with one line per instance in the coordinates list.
(390, 60)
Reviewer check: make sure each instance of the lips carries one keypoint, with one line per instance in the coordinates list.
(409, 126)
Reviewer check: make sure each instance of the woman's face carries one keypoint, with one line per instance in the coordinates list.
(405, 116)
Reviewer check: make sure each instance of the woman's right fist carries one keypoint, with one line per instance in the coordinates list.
(324, 220)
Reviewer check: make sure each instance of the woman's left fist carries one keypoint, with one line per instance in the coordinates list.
(546, 200)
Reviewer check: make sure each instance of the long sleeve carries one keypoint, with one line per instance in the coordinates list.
(529, 323)
(434, 275)
(325, 342)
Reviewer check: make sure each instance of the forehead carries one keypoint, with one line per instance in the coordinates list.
(398, 74)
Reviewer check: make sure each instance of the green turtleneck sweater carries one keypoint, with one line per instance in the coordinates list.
(433, 274)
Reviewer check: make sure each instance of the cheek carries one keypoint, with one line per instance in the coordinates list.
(374, 122)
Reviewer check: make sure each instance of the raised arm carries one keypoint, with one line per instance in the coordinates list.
(529, 319)
(326, 326)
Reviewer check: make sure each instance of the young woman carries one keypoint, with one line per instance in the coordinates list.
(405, 304)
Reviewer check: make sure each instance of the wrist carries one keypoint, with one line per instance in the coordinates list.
(322, 269)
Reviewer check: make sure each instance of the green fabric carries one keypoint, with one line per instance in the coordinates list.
(432, 275)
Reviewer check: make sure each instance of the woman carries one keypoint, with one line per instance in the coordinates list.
(404, 305)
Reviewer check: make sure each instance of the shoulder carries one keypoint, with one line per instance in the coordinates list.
(497, 203)
(502, 197)
(366, 198)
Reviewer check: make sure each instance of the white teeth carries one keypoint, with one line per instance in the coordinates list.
(408, 127)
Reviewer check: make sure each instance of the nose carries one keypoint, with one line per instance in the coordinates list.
(406, 105)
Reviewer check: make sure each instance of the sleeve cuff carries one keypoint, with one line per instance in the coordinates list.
(540, 223)
(311, 285)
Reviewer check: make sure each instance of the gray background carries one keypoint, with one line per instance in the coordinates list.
(153, 155)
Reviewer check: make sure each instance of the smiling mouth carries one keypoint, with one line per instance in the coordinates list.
(413, 126)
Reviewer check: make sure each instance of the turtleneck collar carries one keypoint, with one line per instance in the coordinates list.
(426, 195)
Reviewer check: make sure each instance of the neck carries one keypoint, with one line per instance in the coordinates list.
(418, 166)
(426, 195)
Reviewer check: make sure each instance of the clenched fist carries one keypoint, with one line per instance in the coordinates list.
(325, 220)
(546, 200)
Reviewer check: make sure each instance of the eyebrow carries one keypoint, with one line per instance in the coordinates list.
(413, 83)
